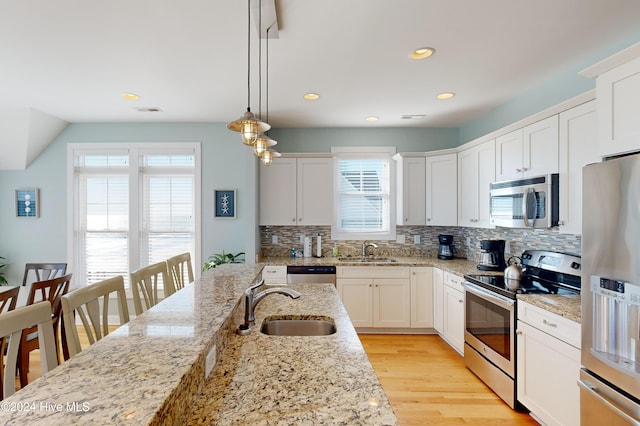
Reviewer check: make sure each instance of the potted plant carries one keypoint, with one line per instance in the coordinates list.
(219, 259)
(3, 280)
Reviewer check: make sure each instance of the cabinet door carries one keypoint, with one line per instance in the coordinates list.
(413, 191)
(509, 156)
(618, 94)
(486, 176)
(468, 187)
(357, 298)
(540, 147)
(453, 327)
(421, 297)
(476, 171)
(578, 147)
(315, 191)
(278, 192)
(544, 360)
(442, 190)
(438, 300)
(391, 302)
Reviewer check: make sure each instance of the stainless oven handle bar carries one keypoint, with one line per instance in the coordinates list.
(489, 295)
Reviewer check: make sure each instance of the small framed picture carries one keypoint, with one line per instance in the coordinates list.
(225, 203)
(28, 202)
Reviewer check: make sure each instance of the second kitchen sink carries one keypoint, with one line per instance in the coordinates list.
(367, 259)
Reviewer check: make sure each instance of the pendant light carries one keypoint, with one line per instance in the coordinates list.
(264, 152)
(248, 125)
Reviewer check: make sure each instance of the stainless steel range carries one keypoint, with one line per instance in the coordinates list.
(490, 314)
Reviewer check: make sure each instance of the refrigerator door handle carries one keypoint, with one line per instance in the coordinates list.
(593, 391)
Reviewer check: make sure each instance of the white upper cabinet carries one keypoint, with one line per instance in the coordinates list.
(442, 190)
(618, 94)
(530, 151)
(476, 170)
(413, 191)
(578, 147)
(297, 191)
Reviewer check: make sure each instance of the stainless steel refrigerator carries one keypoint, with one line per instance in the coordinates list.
(610, 377)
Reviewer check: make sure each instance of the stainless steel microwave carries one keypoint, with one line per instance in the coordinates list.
(525, 203)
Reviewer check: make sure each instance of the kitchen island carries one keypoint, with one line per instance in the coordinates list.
(152, 370)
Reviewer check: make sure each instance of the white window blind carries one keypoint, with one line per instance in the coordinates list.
(363, 197)
(132, 207)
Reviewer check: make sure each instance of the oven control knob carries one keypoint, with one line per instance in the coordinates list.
(575, 265)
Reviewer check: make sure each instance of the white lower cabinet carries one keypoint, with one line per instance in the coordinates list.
(376, 296)
(453, 311)
(421, 297)
(438, 300)
(548, 365)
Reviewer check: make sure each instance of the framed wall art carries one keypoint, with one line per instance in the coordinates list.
(224, 203)
(28, 202)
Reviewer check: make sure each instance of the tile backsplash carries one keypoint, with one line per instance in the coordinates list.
(466, 240)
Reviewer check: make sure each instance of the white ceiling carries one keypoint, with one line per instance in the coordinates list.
(73, 58)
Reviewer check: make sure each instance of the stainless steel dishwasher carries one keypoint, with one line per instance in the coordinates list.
(311, 274)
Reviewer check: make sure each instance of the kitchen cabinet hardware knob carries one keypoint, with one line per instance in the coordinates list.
(428, 219)
(294, 219)
(550, 324)
(524, 169)
(518, 170)
(561, 223)
(460, 300)
(518, 333)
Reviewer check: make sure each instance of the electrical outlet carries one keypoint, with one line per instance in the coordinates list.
(416, 239)
(210, 362)
(274, 239)
(400, 239)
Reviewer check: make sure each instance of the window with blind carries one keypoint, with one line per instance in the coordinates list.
(364, 201)
(133, 206)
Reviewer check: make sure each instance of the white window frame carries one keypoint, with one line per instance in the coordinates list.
(134, 150)
(376, 152)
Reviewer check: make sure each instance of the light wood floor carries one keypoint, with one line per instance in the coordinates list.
(427, 383)
(425, 380)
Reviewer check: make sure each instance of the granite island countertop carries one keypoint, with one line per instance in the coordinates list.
(150, 371)
(274, 380)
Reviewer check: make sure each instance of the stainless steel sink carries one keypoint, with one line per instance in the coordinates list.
(298, 326)
(367, 259)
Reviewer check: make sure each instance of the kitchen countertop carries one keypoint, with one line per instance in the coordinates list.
(566, 306)
(295, 379)
(151, 370)
(455, 266)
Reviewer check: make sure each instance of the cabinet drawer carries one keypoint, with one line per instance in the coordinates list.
(454, 281)
(372, 272)
(274, 274)
(566, 330)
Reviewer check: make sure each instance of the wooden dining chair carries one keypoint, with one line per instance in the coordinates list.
(8, 300)
(51, 291)
(91, 305)
(43, 271)
(180, 270)
(13, 326)
(146, 283)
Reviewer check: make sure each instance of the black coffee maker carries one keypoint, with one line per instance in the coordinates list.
(446, 249)
(492, 255)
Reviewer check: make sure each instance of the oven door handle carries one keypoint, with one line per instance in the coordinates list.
(489, 295)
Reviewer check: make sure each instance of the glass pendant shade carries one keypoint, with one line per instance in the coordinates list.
(249, 127)
(263, 142)
(268, 156)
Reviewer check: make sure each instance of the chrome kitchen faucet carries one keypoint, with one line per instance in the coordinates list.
(251, 301)
(366, 245)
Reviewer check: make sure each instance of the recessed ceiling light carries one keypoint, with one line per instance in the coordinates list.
(311, 96)
(422, 53)
(372, 118)
(130, 96)
(413, 116)
(445, 95)
(148, 109)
